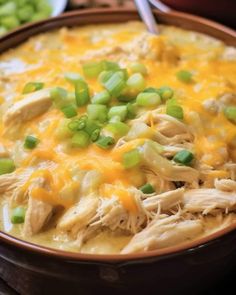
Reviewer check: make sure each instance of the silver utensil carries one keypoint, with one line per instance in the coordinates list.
(147, 16)
(160, 6)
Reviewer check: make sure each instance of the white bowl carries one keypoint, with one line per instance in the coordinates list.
(58, 6)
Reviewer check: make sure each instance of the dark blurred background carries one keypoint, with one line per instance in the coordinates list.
(223, 11)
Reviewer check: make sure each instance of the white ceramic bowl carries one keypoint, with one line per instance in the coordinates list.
(58, 6)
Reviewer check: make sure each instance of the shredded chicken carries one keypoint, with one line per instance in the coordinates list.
(79, 215)
(164, 232)
(165, 168)
(37, 214)
(227, 185)
(30, 106)
(8, 182)
(208, 200)
(166, 200)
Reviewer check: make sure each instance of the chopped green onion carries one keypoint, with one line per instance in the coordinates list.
(131, 159)
(6, 166)
(81, 93)
(115, 84)
(152, 90)
(63, 131)
(147, 188)
(104, 76)
(126, 95)
(91, 126)
(10, 22)
(184, 76)
(132, 110)
(73, 78)
(120, 111)
(8, 8)
(117, 128)
(148, 99)
(24, 13)
(3, 31)
(80, 139)
(136, 83)
(123, 73)
(71, 97)
(103, 97)
(69, 111)
(110, 65)
(77, 124)
(95, 134)
(30, 142)
(230, 113)
(92, 69)
(184, 157)
(18, 215)
(32, 86)
(115, 119)
(59, 96)
(97, 112)
(39, 16)
(172, 102)
(105, 142)
(175, 111)
(138, 68)
(166, 92)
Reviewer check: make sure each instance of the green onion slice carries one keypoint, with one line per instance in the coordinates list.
(30, 142)
(175, 111)
(230, 113)
(32, 86)
(147, 188)
(81, 93)
(115, 84)
(120, 111)
(118, 129)
(105, 142)
(184, 157)
(166, 92)
(69, 111)
(151, 89)
(184, 76)
(138, 68)
(91, 126)
(148, 99)
(104, 76)
(110, 65)
(95, 134)
(60, 96)
(136, 83)
(131, 159)
(103, 97)
(92, 69)
(18, 215)
(6, 166)
(97, 112)
(80, 139)
(73, 78)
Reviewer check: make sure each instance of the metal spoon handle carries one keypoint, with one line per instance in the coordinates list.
(145, 12)
(160, 6)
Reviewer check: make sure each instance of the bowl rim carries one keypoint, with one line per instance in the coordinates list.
(186, 247)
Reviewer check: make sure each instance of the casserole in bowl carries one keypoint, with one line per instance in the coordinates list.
(136, 69)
